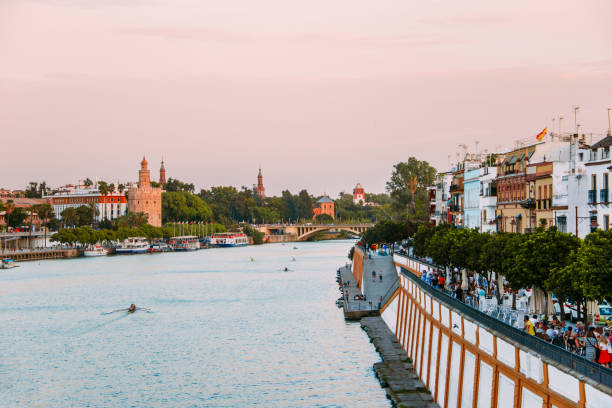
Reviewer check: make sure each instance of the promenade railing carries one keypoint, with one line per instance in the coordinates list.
(552, 352)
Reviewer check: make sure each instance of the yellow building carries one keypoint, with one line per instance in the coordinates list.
(144, 198)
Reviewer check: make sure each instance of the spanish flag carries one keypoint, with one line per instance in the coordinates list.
(541, 135)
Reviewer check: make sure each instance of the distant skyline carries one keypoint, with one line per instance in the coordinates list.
(321, 94)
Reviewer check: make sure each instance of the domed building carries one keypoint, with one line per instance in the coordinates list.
(144, 198)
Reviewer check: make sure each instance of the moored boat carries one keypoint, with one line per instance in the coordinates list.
(229, 239)
(159, 247)
(97, 250)
(185, 243)
(133, 245)
(8, 264)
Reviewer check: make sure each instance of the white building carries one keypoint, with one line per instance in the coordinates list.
(577, 188)
(109, 206)
(443, 182)
(588, 193)
(471, 198)
(488, 199)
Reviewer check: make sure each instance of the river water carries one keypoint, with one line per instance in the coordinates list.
(223, 331)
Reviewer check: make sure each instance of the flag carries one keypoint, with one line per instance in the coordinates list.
(541, 135)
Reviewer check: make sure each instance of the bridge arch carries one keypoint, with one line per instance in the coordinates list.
(307, 231)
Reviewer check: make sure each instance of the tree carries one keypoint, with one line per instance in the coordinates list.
(87, 182)
(45, 214)
(85, 215)
(174, 185)
(130, 220)
(538, 254)
(69, 217)
(121, 188)
(324, 219)
(593, 266)
(406, 204)
(184, 206)
(253, 233)
(32, 191)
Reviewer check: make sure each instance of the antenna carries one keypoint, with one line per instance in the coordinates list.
(576, 108)
(560, 120)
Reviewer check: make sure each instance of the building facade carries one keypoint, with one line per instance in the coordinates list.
(514, 205)
(598, 212)
(471, 198)
(109, 206)
(146, 199)
(488, 199)
(324, 205)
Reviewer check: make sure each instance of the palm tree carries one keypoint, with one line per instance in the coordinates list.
(45, 212)
(103, 188)
(120, 188)
(9, 208)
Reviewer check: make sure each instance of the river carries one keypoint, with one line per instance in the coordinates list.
(223, 331)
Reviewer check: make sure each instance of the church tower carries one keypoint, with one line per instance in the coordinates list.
(162, 174)
(260, 190)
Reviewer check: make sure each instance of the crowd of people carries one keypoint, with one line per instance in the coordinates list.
(593, 343)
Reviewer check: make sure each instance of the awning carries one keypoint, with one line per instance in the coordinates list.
(512, 160)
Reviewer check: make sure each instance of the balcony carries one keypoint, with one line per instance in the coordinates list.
(454, 208)
(592, 196)
(603, 195)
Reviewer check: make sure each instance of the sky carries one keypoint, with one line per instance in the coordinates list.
(321, 94)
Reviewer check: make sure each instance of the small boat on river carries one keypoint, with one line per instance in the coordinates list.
(8, 264)
(134, 245)
(97, 250)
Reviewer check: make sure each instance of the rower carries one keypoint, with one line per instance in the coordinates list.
(132, 308)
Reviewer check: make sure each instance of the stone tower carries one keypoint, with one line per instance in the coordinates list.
(260, 190)
(144, 198)
(162, 174)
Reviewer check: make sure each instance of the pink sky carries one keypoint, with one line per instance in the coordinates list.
(323, 94)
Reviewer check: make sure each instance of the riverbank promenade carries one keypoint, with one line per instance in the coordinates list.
(375, 291)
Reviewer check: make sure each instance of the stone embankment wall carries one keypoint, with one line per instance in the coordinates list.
(37, 255)
(464, 364)
(272, 238)
(358, 257)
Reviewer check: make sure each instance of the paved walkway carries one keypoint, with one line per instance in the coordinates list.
(396, 372)
(377, 289)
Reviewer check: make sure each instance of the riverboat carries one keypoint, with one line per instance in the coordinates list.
(229, 239)
(8, 264)
(134, 245)
(185, 243)
(97, 250)
(157, 247)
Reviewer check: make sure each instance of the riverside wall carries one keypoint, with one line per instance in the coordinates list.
(37, 255)
(466, 363)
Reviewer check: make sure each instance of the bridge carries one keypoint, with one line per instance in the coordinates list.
(301, 232)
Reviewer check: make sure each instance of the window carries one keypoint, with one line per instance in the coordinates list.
(593, 182)
(562, 223)
(606, 222)
(605, 181)
(539, 193)
(581, 156)
(545, 192)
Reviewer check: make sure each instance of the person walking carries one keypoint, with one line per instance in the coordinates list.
(604, 352)
(591, 346)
